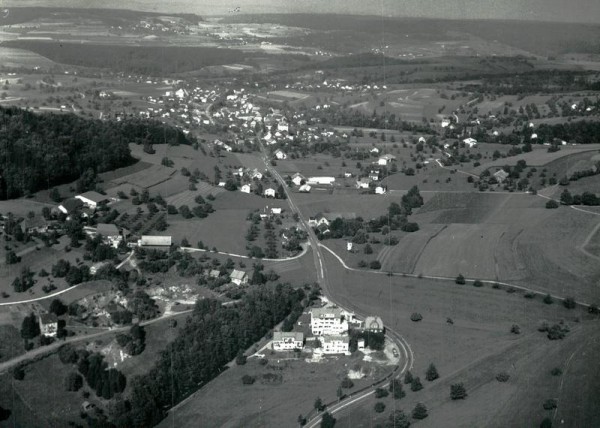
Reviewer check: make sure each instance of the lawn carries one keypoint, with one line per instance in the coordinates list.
(471, 350)
(11, 343)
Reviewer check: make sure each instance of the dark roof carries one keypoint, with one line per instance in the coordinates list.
(48, 318)
(105, 229)
(35, 222)
(71, 204)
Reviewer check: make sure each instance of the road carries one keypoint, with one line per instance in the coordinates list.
(7, 365)
(321, 269)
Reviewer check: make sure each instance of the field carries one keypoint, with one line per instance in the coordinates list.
(268, 404)
(474, 348)
(518, 240)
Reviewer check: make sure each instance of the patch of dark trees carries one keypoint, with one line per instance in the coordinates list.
(212, 337)
(38, 151)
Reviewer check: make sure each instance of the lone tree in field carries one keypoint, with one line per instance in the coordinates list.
(548, 299)
(396, 389)
(546, 423)
(416, 384)
(379, 407)
(460, 279)
(328, 421)
(431, 374)
(408, 377)
(398, 419)
(552, 204)
(569, 303)
(458, 391)
(420, 411)
(319, 406)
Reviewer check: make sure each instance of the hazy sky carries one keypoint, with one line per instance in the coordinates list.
(544, 10)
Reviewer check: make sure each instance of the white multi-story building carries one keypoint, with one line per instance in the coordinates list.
(328, 321)
(335, 344)
(287, 341)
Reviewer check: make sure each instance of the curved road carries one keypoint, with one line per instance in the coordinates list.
(321, 270)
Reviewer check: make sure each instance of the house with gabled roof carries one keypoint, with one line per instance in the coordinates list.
(287, 341)
(92, 199)
(239, 277)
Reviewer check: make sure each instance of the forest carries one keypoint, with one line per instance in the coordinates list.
(212, 337)
(39, 151)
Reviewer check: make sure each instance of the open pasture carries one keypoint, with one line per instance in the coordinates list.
(539, 156)
(472, 350)
(187, 197)
(146, 178)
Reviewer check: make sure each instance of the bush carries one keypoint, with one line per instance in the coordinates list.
(460, 279)
(420, 411)
(379, 407)
(458, 391)
(548, 299)
(410, 227)
(408, 377)
(557, 332)
(240, 359)
(416, 384)
(502, 377)
(381, 393)
(396, 389)
(546, 423)
(375, 264)
(431, 374)
(18, 373)
(569, 303)
(73, 382)
(551, 204)
(593, 309)
(416, 317)
(515, 329)
(556, 371)
(477, 283)
(347, 383)
(328, 421)
(248, 380)
(550, 404)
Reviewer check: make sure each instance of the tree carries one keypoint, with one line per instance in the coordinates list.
(73, 382)
(58, 308)
(398, 419)
(375, 264)
(566, 198)
(551, 204)
(420, 411)
(11, 258)
(381, 393)
(431, 374)
(460, 279)
(408, 377)
(569, 303)
(248, 380)
(319, 406)
(55, 195)
(502, 377)
(416, 384)
(550, 404)
(240, 359)
(301, 420)
(30, 327)
(458, 391)
(416, 317)
(379, 407)
(396, 389)
(327, 421)
(546, 423)
(347, 383)
(4, 414)
(368, 249)
(515, 329)
(548, 299)
(18, 372)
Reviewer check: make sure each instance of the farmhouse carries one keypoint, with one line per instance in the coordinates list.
(92, 199)
(321, 180)
(363, 183)
(48, 325)
(385, 159)
(380, 190)
(283, 127)
(245, 188)
(70, 206)
(35, 224)
(305, 188)
(214, 273)
(324, 321)
(269, 192)
(239, 277)
(297, 179)
(280, 154)
(154, 241)
(471, 142)
(373, 325)
(501, 175)
(109, 233)
(318, 220)
(335, 344)
(287, 341)
(276, 211)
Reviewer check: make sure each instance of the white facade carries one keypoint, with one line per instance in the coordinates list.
(287, 341)
(471, 142)
(297, 179)
(270, 192)
(321, 180)
(280, 154)
(305, 188)
(245, 188)
(335, 344)
(150, 240)
(327, 321)
(380, 190)
(239, 277)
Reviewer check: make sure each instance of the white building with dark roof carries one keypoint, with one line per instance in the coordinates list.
(334, 344)
(327, 321)
(92, 199)
(287, 341)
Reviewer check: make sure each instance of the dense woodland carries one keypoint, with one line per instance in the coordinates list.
(38, 151)
(211, 338)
